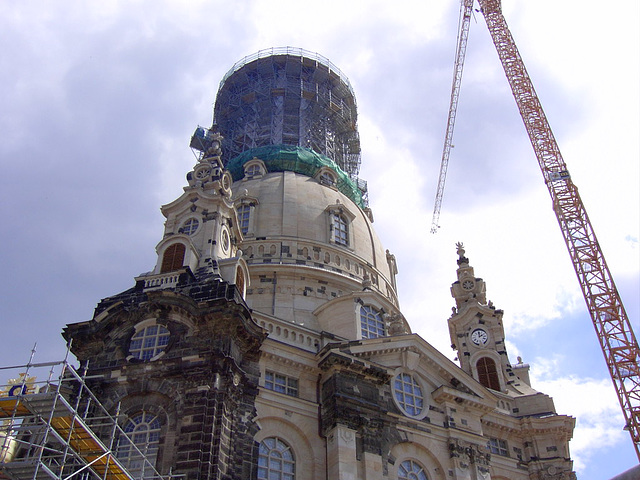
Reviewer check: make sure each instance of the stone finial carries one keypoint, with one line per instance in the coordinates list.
(460, 250)
(209, 173)
(215, 146)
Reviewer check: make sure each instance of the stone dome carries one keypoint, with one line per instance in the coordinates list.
(292, 237)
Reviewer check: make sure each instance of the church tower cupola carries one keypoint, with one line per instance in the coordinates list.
(477, 331)
(202, 232)
(468, 288)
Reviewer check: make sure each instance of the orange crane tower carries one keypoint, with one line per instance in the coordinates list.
(610, 320)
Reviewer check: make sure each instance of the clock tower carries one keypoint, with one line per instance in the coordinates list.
(477, 332)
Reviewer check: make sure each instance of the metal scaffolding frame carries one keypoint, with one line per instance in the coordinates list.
(58, 429)
(288, 96)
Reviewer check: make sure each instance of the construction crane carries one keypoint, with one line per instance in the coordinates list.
(612, 325)
(466, 7)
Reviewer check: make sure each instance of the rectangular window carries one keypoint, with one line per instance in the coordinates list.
(498, 447)
(340, 230)
(281, 383)
(243, 218)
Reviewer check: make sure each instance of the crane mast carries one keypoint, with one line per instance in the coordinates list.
(463, 34)
(616, 337)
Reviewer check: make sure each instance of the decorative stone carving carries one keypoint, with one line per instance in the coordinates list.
(461, 258)
(396, 324)
(466, 455)
(347, 436)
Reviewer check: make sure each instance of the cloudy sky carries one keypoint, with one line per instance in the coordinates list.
(99, 100)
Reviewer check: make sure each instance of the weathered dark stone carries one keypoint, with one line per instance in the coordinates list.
(208, 404)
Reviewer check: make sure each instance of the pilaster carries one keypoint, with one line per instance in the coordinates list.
(341, 454)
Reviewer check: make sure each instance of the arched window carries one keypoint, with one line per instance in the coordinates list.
(149, 342)
(410, 470)
(340, 230)
(244, 212)
(173, 258)
(408, 394)
(371, 323)
(327, 178)
(253, 170)
(487, 373)
(275, 460)
(141, 442)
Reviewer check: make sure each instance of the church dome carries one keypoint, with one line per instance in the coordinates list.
(317, 241)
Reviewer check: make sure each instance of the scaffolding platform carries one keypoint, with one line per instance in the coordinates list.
(57, 429)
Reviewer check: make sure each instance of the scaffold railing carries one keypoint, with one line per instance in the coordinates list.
(53, 427)
(296, 51)
(292, 97)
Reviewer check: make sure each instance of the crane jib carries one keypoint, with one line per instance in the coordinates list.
(612, 325)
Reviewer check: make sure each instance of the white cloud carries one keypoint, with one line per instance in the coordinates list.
(591, 401)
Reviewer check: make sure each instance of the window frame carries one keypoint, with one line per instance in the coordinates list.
(157, 349)
(327, 178)
(367, 312)
(488, 373)
(254, 168)
(188, 227)
(339, 211)
(127, 453)
(243, 213)
(340, 229)
(497, 446)
(288, 385)
(402, 403)
(409, 465)
(173, 257)
(265, 470)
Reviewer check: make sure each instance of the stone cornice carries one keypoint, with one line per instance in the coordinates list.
(335, 359)
(288, 362)
(444, 394)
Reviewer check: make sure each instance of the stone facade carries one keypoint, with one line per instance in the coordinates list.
(268, 342)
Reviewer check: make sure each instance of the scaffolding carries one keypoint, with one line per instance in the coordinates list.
(288, 96)
(57, 428)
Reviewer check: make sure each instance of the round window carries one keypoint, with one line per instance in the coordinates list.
(226, 241)
(190, 226)
(408, 394)
(227, 180)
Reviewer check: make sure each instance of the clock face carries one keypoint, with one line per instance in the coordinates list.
(468, 284)
(479, 337)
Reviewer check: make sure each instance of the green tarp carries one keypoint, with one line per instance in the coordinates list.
(291, 158)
